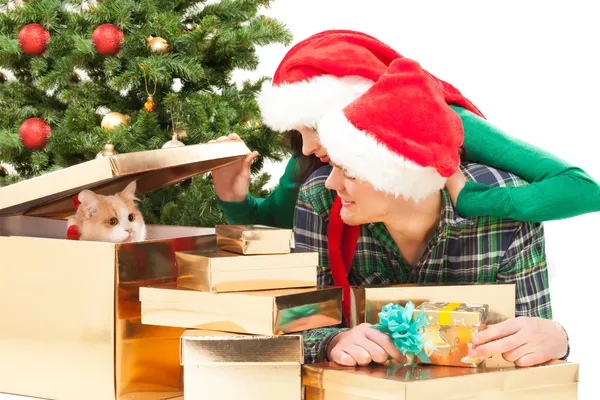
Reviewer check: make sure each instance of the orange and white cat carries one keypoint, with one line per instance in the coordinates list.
(115, 218)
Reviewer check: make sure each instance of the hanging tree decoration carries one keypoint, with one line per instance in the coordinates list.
(34, 133)
(158, 45)
(33, 39)
(3, 78)
(174, 142)
(149, 105)
(107, 39)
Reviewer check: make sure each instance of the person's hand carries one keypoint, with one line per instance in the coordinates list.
(526, 341)
(455, 184)
(361, 345)
(232, 181)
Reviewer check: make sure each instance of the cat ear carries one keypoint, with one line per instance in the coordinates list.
(89, 201)
(129, 192)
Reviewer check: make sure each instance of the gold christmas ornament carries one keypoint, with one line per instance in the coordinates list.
(113, 120)
(76, 76)
(3, 78)
(109, 150)
(174, 142)
(158, 45)
(251, 123)
(182, 133)
(149, 105)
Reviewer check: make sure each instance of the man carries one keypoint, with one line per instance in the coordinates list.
(392, 150)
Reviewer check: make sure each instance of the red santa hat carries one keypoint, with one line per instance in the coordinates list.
(401, 136)
(328, 71)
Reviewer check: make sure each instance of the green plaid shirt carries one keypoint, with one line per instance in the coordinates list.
(482, 249)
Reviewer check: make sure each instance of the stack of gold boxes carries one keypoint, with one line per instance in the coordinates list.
(244, 303)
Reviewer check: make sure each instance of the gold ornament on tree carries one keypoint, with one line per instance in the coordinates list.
(251, 123)
(113, 120)
(158, 45)
(174, 142)
(149, 105)
(109, 150)
(3, 78)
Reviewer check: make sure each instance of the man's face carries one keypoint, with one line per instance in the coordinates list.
(361, 203)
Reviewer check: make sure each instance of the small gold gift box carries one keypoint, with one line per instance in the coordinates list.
(70, 324)
(264, 312)
(219, 365)
(253, 239)
(450, 330)
(556, 380)
(223, 271)
(367, 302)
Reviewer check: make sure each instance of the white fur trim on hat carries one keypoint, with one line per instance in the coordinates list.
(291, 106)
(364, 158)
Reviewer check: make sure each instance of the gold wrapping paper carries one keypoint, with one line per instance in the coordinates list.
(213, 347)
(77, 302)
(268, 312)
(223, 271)
(450, 329)
(367, 302)
(220, 365)
(556, 380)
(253, 239)
(50, 195)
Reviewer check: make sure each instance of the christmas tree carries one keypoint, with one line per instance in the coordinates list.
(133, 74)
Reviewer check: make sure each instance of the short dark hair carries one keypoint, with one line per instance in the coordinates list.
(308, 164)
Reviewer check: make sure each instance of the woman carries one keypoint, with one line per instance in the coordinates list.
(301, 93)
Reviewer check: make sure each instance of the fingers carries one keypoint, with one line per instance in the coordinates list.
(231, 136)
(517, 353)
(250, 158)
(374, 350)
(341, 357)
(531, 359)
(502, 345)
(385, 343)
(359, 354)
(497, 331)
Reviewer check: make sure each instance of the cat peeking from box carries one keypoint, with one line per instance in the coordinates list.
(114, 218)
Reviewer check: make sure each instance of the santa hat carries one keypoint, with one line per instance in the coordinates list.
(401, 136)
(328, 71)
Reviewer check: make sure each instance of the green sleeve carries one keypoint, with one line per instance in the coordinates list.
(277, 209)
(557, 190)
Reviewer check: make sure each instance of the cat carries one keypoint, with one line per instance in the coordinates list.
(114, 218)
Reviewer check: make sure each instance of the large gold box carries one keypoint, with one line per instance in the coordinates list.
(556, 380)
(262, 312)
(219, 365)
(253, 239)
(367, 302)
(70, 321)
(222, 271)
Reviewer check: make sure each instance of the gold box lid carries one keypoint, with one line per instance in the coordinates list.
(207, 347)
(50, 195)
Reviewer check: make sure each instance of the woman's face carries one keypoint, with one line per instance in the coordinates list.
(312, 145)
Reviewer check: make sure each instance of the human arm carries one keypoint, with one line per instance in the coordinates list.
(242, 208)
(532, 337)
(557, 190)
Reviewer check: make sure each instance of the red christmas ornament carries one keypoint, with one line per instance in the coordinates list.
(33, 39)
(34, 133)
(107, 39)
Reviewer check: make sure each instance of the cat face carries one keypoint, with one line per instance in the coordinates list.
(114, 219)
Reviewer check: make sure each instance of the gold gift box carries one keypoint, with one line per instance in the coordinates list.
(557, 380)
(222, 271)
(265, 312)
(219, 365)
(367, 302)
(450, 329)
(70, 327)
(253, 239)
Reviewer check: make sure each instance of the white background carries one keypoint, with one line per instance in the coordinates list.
(532, 68)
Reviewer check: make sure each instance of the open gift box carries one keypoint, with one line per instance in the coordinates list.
(70, 321)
